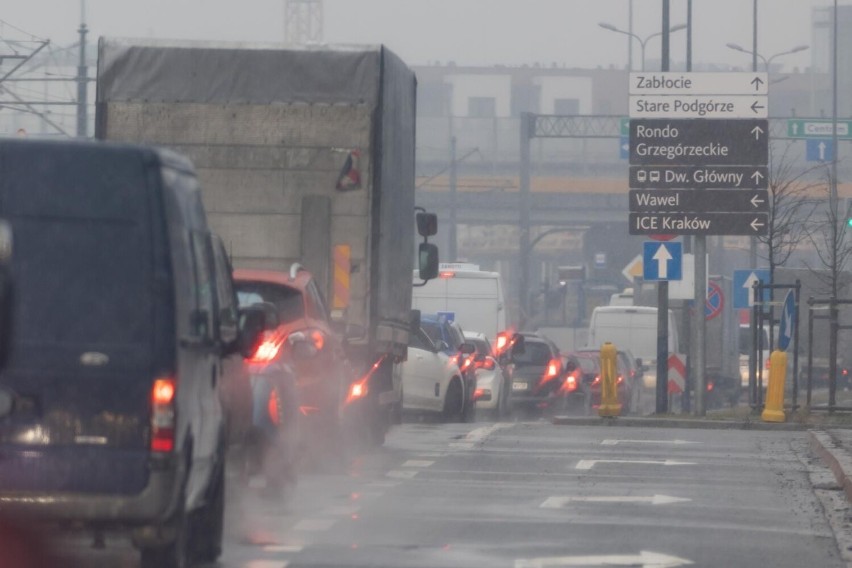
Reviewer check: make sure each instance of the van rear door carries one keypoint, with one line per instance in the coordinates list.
(89, 335)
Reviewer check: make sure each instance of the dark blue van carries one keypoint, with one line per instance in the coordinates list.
(125, 329)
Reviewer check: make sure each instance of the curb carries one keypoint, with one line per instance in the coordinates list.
(678, 423)
(835, 457)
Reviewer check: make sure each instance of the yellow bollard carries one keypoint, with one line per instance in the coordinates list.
(773, 411)
(609, 390)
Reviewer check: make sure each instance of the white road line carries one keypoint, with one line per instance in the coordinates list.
(674, 442)
(557, 502)
(314, 524)
(266, 564)
(480, 434)
(401, 474)
(589, 464)
(645, 558)
(418, 463)
(432, 455)
(294, 548)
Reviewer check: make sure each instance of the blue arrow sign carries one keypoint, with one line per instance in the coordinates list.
(743, 282)
(819, 149)
(662, 261)
(788, 321)
(624, 151)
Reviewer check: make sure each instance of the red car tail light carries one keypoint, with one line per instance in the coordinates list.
(318, 339)
(553, 368)
(570, 383)
(268, 350)
(163, 415)
(489, 364)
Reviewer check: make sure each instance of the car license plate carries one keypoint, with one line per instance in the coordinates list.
(519, 386)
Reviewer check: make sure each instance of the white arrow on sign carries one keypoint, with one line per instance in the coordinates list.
(756, 224)
(646, 559)
(757, 131)
(589, 464)
(788, 324)
(749, 286)
(756, 200)
(662, 256)
(821, 151)
(757, 176)
(616, 442)
(562, 502)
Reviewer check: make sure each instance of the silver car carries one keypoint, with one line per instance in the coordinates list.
(492, 392)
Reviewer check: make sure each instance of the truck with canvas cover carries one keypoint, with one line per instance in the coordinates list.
(305, 155)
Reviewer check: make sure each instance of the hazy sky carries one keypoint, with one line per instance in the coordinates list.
(475, 32)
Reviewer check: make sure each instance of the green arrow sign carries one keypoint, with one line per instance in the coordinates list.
(625, 127)
(817, 128)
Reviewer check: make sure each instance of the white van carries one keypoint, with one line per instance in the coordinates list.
(634, 329)
(473, 297)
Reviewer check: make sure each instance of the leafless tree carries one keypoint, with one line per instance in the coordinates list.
(792, 202)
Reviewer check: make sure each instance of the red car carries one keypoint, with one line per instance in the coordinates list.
(323, 377)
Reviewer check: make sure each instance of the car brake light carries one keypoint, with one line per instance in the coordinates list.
(710, 386)
(273, 408)
(502, 340)
(619, 380)
(844, 372)
(488, 364)
(268, 350)
(318, 339)
(597, 380)
(447, 274)
(477, 394)
(570, 383)
(553, 368)
(163, 415)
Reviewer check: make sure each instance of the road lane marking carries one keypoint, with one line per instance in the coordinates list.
(314, 524)
(266, 564)
(418, 463)
(674, 442)
(557, 502)
(480, 434)
(646, 558)
(462, 445)
(589, 464)
(294, 548)
(402, 474)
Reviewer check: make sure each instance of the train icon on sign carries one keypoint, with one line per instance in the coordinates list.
(642, 176)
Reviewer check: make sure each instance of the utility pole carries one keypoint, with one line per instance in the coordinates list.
(524, 251)
(663, 285)
(752, 246)
(82, 80)
(452, 250)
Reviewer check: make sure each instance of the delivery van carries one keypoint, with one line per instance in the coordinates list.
(469, 296)
(125, 331)
(634, 329)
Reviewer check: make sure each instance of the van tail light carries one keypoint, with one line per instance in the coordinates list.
(163, 415)
(502, 341)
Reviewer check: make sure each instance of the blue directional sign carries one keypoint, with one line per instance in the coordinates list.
(819, 149)
(662, 261)
(446, 316)
(743, 282)
(788, 321)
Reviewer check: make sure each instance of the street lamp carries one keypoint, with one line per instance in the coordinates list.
(641, 41)
(766, 62)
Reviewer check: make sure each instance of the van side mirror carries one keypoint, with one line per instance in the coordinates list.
(427, 224)
(252, 326)
(428, 261)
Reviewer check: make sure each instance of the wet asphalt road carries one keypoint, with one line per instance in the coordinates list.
(532, 494)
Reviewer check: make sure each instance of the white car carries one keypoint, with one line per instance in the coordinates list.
(431, 382)
(492, 394)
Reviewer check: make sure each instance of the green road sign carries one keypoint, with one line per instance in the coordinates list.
(817, 128)
(625, 127)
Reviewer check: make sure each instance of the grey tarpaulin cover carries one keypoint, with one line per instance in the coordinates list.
(203, 72)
